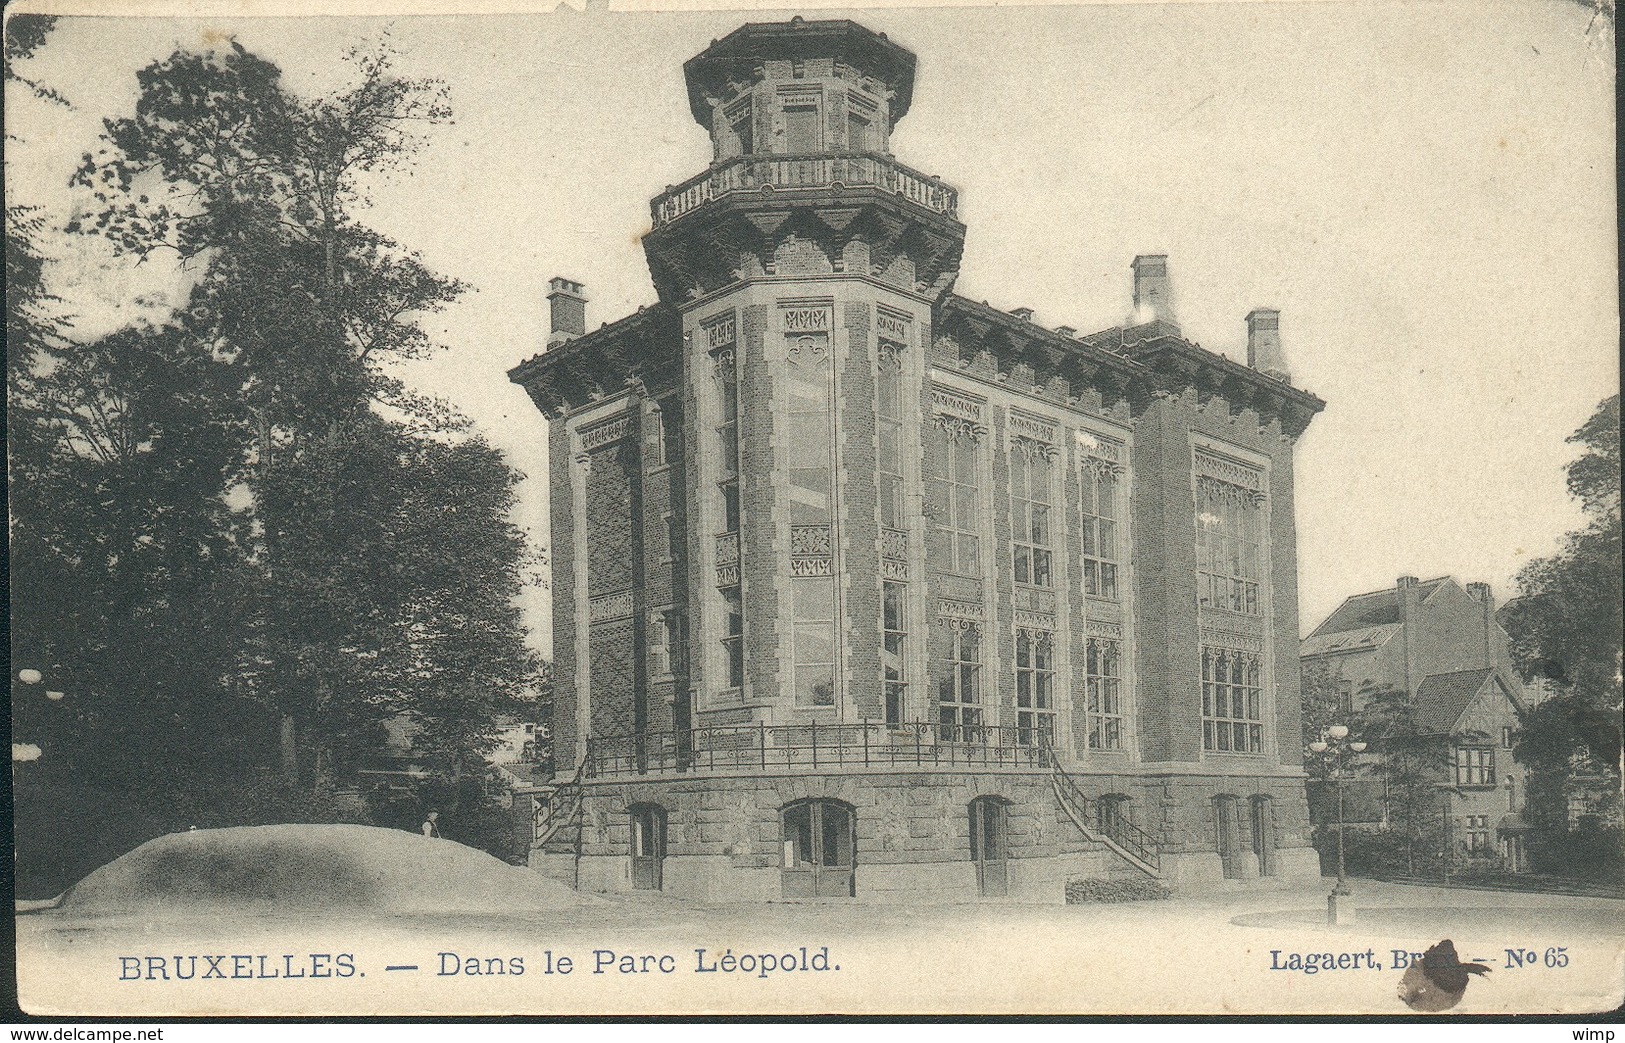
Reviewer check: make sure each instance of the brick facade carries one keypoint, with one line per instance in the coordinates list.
(844, 250)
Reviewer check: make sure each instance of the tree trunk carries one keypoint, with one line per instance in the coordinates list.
(290, 752)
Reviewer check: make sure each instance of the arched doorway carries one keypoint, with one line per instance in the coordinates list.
(1264, 834)
(819, 849)
(990, 845)
(648, 846)
(1112, 812)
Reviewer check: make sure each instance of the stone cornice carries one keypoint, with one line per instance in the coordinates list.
(598, 364)
(1136, 365)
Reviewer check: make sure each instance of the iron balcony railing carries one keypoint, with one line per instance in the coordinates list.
(767, 173)
(805, 747)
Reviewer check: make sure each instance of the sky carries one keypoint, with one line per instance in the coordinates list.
(1425, 190)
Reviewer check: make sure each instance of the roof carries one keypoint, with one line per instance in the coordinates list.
(601, 361)
(1360, 640)
(1442, 698)
(737, 55)
(1137, 362)
(1378, 608)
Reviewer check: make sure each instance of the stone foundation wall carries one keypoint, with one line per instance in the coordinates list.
(724, 834)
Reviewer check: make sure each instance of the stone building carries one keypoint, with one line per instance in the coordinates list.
(862, 587)
(1443, 645)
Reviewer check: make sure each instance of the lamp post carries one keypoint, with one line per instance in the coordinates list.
(1335, 747)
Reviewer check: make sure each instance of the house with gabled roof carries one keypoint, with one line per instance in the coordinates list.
(1442, 644)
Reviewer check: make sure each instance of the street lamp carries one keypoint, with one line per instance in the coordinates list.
(1334, 746)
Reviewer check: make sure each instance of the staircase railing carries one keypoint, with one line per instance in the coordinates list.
(1134, 844)
(558, 811)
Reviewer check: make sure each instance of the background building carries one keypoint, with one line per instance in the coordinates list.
(1443, 646)
(863, 587)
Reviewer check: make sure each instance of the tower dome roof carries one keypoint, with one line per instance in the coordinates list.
(737, 56)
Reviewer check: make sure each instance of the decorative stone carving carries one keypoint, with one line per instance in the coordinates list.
(1220, 478)
(808, 349)
(1035, 428)
(810, 540)
(1031, 448)
(959, 427)
(1214, 489)
(720, 332)
(812, 550)
(1039, 622)
(727, 559)
(1100, 455)
(723, 364)
(952, 611)
(1098, 445)
(1103, 628)
(600, 435)
(894, 544)
(804, 568)
(891, 326)
(606, 607)
(1228, 637)
(954, 404)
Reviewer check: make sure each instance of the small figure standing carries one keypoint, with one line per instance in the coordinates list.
(431, 825)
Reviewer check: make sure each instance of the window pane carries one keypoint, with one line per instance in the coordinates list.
(815, 685)
(798, 836)
(969, 561)
(801, 129)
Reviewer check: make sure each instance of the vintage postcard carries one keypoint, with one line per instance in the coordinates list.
(1090, 508)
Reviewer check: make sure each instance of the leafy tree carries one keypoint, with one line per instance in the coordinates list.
(1323, 706)
(25, 35)
(32, 325)
(126, 567)
(359, 488)
(1412, 764)
(241, 532)
(1565, 631)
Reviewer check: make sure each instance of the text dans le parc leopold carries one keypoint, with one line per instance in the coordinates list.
(317, 966)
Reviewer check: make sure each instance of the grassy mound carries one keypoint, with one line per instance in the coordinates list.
(309, 867)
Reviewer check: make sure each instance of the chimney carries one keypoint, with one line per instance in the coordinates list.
(1410, 603)
(1264, 343)
(1480, 592)
(569, 301)
(1153, 298)
(1024, 314)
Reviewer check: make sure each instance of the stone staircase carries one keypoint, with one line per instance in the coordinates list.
(1137, 853)
(556, 821)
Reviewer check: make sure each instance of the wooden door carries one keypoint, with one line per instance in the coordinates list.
(1263, 836)
(1224, 812)
(648, 846)
(819, 850)
(990, 846)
